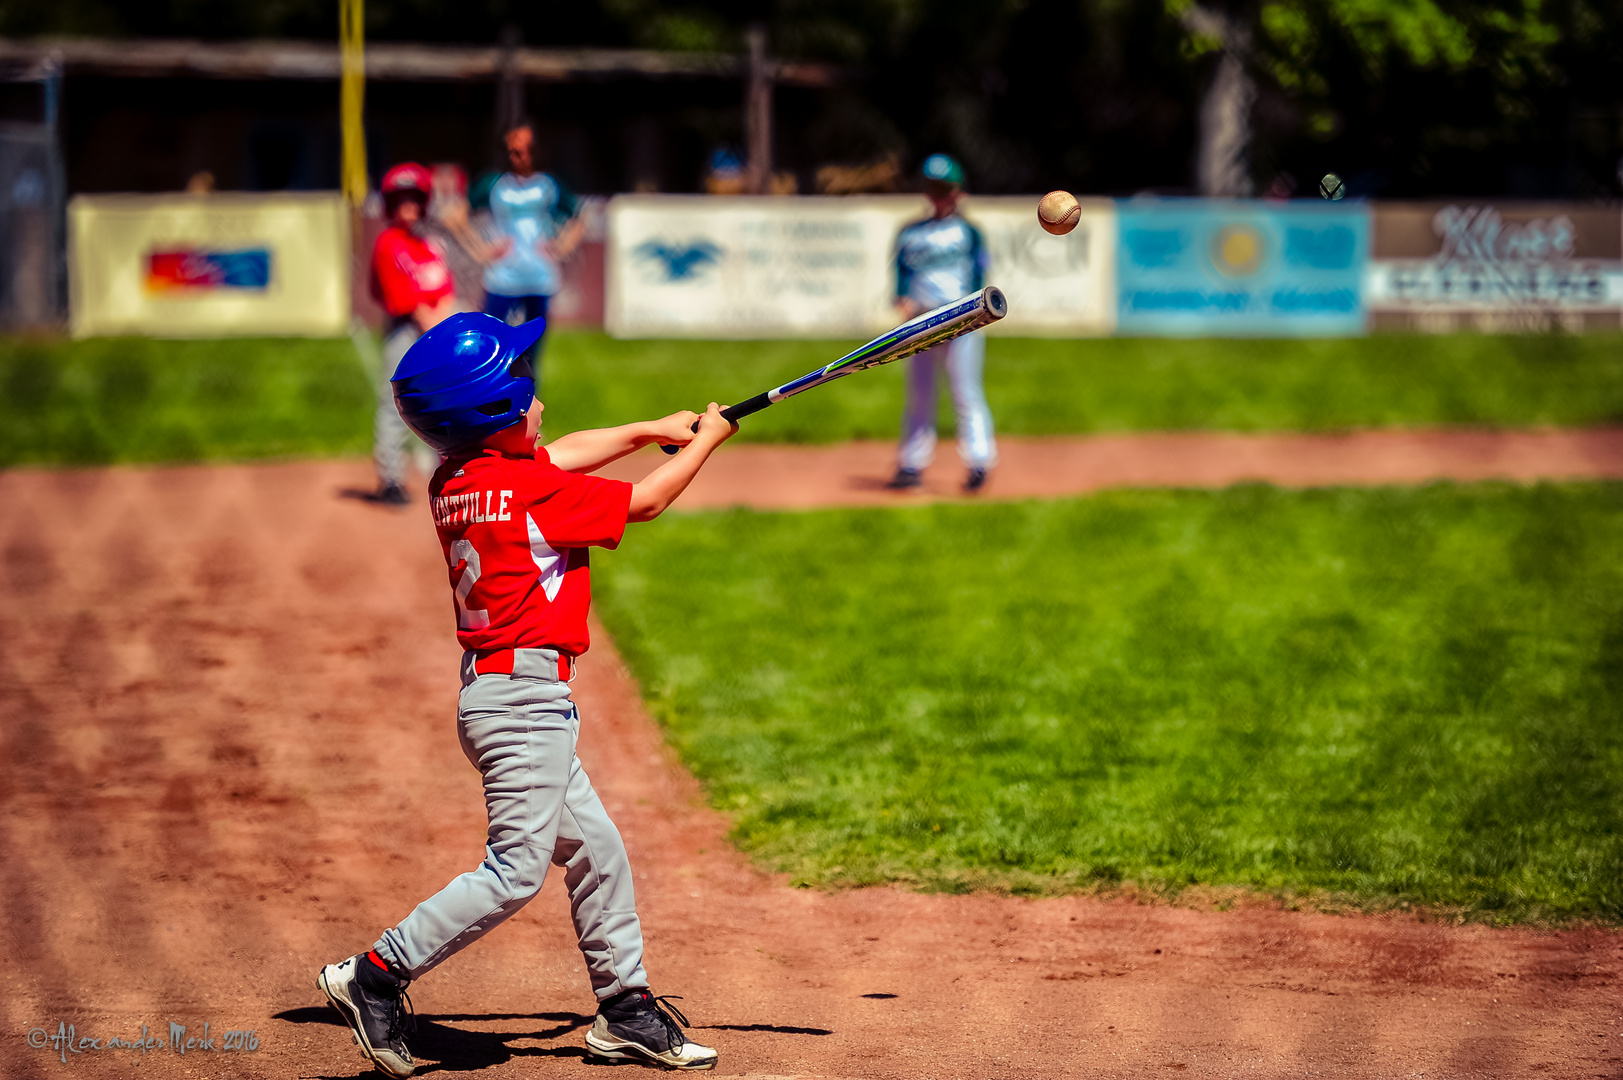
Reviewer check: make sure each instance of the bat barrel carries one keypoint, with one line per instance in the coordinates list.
(933, 328)
(997, 305)
(914, 336)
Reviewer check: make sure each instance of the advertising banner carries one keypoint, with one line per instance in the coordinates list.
(750, 266)
(764, 267)
(228, 265)
(1062, 286)
(1189, 267)
(1444, 266)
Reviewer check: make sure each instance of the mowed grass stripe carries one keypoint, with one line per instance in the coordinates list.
(1049, 387)
(138, 399)
(1388, 696)
(132, 399)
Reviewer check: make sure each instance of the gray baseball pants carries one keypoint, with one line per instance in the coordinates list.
(520, 732)
(393, 444)
(965, 359)
(390, 435)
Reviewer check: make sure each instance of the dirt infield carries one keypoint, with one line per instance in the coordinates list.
(854, 474)
(228, 756)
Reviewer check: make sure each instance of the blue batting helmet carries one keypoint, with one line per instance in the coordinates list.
(466, 378)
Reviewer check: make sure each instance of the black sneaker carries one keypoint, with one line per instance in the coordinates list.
(373, 1003)
(975, 481)
(905, 478)
(637, 1026)
(392, 495)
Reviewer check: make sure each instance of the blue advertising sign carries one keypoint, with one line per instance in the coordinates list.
(1188, 267)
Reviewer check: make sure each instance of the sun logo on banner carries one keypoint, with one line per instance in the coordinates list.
(1238, 250)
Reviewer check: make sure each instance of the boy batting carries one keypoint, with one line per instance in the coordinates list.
(515, 522)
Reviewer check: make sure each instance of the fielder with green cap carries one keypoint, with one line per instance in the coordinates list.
(938, 260)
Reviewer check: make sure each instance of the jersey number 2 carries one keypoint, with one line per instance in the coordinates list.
(467, 618)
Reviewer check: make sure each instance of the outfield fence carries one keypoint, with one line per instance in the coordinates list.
(695, 266)
(762, 267)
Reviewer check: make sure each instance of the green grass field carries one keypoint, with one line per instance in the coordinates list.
(1373, 696)
(140, 400)
(136, 399)
(1046, 387)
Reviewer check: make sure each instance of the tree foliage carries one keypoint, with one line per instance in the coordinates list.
(1406, 96)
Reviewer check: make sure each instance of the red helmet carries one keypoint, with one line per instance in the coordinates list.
(409, 178)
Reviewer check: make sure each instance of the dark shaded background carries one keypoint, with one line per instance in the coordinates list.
(1098, 96)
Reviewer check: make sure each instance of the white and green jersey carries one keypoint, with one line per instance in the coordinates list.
(939, 260)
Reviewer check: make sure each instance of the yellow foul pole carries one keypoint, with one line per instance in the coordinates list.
(352, 97)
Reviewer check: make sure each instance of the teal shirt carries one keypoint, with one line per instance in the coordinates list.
(527, 212)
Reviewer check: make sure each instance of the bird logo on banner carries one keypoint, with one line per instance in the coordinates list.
(679, 262)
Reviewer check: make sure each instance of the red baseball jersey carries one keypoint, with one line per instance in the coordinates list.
(515, 533)
(407, 271)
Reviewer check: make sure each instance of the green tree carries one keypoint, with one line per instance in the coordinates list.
(1316, 52)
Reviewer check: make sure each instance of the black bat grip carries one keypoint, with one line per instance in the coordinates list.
(732, 414)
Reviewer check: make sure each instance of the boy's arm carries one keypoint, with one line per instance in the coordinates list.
(590, 450)
(659, 489)
(904, 282)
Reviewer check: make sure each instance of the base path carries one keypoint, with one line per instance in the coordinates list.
(854, 474)
(227, 755)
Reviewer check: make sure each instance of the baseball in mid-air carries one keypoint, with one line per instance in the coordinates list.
(1058, 212)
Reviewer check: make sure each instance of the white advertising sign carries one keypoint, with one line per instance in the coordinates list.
(1480, 258)
(750, 266)
(765, 267)
(1061, 286)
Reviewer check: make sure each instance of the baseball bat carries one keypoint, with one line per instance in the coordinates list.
(914, 336)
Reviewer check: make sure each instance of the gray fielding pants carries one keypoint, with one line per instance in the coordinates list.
(520, 732)
(390, 436)
(393, 444)
(965, 359)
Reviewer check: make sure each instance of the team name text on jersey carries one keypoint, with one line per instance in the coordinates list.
(466, 509)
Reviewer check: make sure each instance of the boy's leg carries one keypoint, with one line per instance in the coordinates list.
(520, 733)
(631, 1024)
(535, 307)
(602, 899)
(499, 305)
(966, 361)
(389, 432)
(917, 446)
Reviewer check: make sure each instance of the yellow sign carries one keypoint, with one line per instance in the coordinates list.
(228, 265)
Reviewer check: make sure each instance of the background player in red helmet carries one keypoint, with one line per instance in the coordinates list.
(410, 278)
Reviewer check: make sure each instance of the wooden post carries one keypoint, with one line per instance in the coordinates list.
(352, 98)
(758, 115)
(509, 90)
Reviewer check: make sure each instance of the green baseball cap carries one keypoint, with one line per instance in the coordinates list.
(943, 170)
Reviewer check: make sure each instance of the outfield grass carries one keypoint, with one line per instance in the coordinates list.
(141, 400)
(1045, 387)
(136, 399)
(1384, 696)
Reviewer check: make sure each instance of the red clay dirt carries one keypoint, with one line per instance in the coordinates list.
(228, 707)
(854, 474)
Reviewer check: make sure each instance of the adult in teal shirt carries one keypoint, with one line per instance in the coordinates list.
(534, 216)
